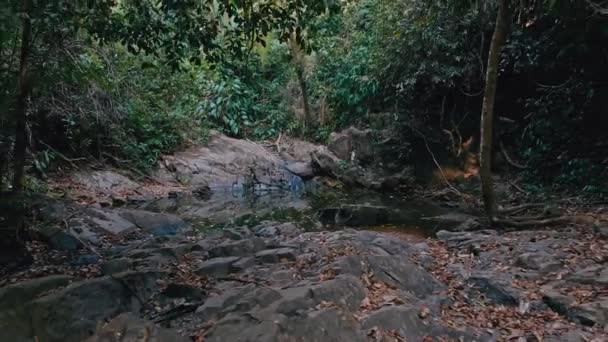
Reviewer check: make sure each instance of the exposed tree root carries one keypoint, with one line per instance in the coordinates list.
(550, 215)
(532, 222)
(518, 188)
(511, 162)
(520, 208)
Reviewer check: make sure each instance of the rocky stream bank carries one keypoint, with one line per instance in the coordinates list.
(130, 261)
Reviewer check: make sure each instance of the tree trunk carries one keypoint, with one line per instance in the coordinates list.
(298, 58)
(304, 89)
(21, 105)
(487, 111)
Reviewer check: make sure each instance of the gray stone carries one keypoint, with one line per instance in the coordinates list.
(594, 313)
(594, 275)
(396, 271)
(109, 222)
(406, 321)
(301, 169)
(60, 239)
(237, 300)
(352, 143)
(345, 291)
(495, 289)
(352, 264)
(231, 328)
(539, 261)
(325, 163)
(327, 325)
(212, 308)
(295, 300)
(270, 230)
(570, 336)
(221, 161)
(276, 255)
(72, 313)
(557, 302)
(142, 284)
(221, 266)
(156, 223)
(15, 322)
(238, 248)
(283, 276)
(258, 298)
(243, 264)
(128, 327)
(237, 233)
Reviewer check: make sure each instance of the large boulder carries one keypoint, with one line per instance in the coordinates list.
(352, 144)
(224, 162)
(72, 314)
(15, 324)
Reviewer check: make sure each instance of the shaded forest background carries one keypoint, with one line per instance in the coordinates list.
(124, 82)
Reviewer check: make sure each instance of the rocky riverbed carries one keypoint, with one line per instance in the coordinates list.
(128, 261)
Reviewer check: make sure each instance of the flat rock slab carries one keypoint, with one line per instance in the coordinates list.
(238, 248)
(406, 321)
(218, 267)
(276, 255)
(156, 223)
(109, 222)
(277, 229)
(128, 327)
(393, 270)
(539, 261)
(326, 325)
(495, 288)
(222, 161)
(345, 291)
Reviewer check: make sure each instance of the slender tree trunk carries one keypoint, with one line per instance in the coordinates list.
(305, 101)
(21, 105)
(298, 58)
(4, 148)
(487, 111)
